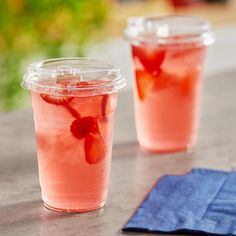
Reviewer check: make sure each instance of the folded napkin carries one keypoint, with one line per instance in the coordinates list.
(202, 201)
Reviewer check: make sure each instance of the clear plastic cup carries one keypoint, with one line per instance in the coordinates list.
(74, 102)
(168, 56)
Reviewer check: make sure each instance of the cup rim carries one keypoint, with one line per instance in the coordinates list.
(76, 67)
(166, 30)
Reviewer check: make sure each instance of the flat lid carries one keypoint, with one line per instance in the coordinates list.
(169, 29)
(77, 76)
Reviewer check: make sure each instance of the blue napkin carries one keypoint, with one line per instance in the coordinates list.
(202, 201)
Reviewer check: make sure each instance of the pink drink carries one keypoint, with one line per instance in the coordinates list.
(74, 132)
(168, 73)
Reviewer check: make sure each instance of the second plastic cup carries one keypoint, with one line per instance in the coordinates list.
(168, 54)
(74, 102)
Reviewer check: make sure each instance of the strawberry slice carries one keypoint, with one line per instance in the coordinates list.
(94, 148)
(81, 127)
(164, 80)
(72, 111)
(63, 82)
(109, 102)
(104, 104)
(150, 58)
(56, 100)
(188, 84)
(82, 84)
(144, 82)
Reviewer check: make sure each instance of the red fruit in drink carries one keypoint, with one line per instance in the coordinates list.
(56, 100)
(81, 127)
(94, 147)
(82, 84)
(164, 80)
(108, 103)
(150, 58)
(63, 82)
(144, 82)
(188, 83)
(105, 104)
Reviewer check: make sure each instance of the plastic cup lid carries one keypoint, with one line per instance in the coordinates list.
(169, 29)
(76, 76)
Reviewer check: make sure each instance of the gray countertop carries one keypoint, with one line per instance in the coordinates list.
(133, 174)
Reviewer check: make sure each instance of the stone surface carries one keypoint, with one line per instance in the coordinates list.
(134, 172)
